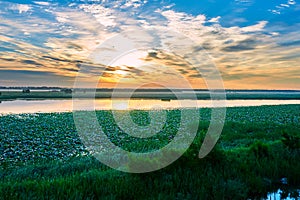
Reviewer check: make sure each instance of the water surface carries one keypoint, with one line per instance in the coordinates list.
(35, 106)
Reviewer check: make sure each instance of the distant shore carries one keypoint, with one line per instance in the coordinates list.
(149, 94)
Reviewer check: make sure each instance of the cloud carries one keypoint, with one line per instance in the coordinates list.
(102, 15)
(182, 18)
(240, 48)
(284, 5)
(134, 3)
(60, 42)
(255, 28)
(33, 78)
(42, 3)
(21, 7)
(244, 45)
(30, 62)
(281, 8)
(214, 19)
(290, 43)
(291, 2)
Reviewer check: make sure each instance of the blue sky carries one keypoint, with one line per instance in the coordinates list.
(254, 44)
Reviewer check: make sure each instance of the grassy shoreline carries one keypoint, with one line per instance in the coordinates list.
(5, 96)
(43, 157)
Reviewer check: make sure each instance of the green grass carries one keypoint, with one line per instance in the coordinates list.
(42, 157)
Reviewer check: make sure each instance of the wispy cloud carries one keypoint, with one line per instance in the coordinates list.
(282, 7)
(42, 3)
(20, 8)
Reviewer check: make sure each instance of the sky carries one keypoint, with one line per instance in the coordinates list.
(250, 44)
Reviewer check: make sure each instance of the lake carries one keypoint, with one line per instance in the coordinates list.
(35, 106)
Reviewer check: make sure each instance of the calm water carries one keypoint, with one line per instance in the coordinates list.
(34, 106)
(277, 196)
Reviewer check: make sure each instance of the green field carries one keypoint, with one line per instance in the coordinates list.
(42, 157)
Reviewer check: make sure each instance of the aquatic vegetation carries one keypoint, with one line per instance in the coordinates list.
(260, 149)
(43, 156)
(291, 139)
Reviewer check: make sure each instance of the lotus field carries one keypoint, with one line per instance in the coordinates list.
(42, 156)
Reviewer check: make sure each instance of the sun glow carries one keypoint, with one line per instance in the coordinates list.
(132, 59)
(119, 105)
(122, 67)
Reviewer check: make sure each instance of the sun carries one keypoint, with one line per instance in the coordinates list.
(122, 67)
(132, 59)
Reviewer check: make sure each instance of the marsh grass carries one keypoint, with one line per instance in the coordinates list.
(43, 158)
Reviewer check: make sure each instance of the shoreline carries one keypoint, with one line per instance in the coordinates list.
(199, 95)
